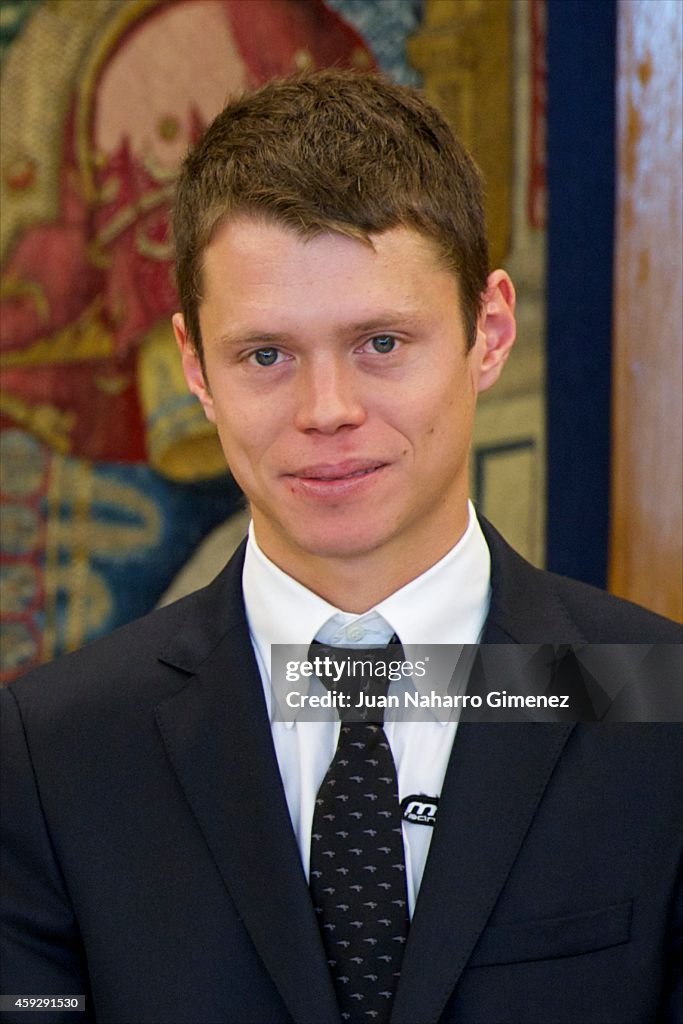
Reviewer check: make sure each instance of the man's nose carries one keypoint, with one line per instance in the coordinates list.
(329, 399)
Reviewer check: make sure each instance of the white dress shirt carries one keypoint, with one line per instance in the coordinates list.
(447, 604)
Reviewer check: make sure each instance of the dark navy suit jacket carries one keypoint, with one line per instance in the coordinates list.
(150, 863)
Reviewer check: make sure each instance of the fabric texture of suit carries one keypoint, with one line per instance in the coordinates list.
(150, 863)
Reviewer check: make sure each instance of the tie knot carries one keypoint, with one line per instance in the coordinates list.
(361, 674)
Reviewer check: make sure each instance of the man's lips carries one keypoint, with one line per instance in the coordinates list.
(346, 470)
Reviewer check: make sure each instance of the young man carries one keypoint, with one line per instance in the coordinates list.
(176, 853)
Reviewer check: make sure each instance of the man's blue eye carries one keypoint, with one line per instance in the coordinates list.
(383, 343)
(266, 356)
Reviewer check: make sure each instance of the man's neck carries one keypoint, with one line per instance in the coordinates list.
(358, 583)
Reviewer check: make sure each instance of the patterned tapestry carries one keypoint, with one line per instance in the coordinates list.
(110, 475)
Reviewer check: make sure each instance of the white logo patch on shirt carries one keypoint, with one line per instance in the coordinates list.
(420, 809)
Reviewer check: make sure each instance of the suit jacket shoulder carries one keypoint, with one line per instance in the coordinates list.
(139, 664)
(530, 605)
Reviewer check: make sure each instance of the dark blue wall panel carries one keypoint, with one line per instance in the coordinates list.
(581, 176)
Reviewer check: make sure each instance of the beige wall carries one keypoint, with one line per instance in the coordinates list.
(646, 553)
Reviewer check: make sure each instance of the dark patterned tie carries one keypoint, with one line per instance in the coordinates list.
(357, 877)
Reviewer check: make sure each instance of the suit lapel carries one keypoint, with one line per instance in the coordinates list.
(218, 739)
(496, 778)
(524, 606)
(494, 783)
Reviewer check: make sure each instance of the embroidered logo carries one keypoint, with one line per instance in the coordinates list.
(420, 809)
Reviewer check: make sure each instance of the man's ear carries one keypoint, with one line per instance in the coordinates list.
(496, 327)
(192, 367)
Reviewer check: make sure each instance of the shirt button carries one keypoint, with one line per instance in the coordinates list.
(355, 633)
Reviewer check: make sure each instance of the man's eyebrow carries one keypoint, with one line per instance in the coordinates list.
(387, 318)
(237, 338)
(377, 322)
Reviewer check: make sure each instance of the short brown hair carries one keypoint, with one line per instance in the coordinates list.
(336, 151)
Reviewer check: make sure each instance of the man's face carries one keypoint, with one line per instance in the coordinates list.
(339, 380)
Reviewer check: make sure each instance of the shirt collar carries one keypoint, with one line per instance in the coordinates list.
(448, 603)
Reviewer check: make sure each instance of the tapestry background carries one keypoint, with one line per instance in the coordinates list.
(112, 485)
